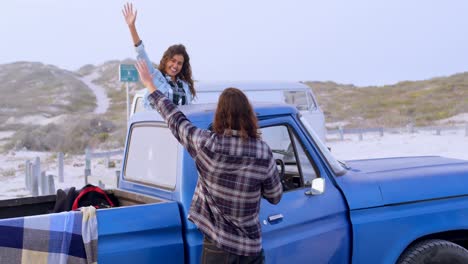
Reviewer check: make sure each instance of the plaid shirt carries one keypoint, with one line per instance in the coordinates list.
(234, 175)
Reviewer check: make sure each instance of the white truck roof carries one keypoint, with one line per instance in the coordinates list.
(208, 86)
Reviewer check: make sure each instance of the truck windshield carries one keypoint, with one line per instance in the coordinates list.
(338, 167)
(152, 156)
(298, 98)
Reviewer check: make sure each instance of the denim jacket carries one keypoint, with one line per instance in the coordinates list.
(159, 80)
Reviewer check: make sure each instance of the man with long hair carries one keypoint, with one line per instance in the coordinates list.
(236, 169)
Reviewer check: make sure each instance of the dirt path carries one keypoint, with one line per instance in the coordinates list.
(102, 101)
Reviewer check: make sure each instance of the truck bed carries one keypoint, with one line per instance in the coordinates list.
(29, 206)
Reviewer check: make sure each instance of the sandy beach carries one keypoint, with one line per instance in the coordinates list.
(452, 144)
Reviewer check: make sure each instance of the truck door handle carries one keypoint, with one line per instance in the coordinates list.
(274, 219)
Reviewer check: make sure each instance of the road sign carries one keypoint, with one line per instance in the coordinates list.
(128, 73)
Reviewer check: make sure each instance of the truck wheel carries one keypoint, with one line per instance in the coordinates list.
(434, 251)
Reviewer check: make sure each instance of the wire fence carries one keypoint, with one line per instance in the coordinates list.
(100, 169)
(103, 168)
(410, 128)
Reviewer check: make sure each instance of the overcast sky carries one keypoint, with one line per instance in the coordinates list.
(363, 42)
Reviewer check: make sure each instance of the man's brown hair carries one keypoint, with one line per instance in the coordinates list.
(234, 112)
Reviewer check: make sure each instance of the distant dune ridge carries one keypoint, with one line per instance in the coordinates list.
(43, 107)
(442, 100)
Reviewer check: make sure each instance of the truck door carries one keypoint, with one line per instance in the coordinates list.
(302, 228)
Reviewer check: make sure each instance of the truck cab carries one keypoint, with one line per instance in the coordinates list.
(363, 211)
(404, 210)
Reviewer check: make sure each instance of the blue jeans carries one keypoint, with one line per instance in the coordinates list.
(214, 255)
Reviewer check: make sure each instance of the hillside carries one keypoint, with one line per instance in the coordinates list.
(31, 89)
(44, 107)
(422, 102)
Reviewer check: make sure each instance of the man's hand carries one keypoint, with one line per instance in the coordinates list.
(145, 76)
(129, 15)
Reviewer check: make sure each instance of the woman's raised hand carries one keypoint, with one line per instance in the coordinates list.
(130, 17)
(145, 76)
(129, 14)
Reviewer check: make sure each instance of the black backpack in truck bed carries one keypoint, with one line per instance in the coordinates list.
(92, 195)
(88, 195)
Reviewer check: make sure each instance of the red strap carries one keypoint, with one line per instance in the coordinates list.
(87, 190)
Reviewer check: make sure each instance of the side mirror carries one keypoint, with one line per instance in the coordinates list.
(317, 188)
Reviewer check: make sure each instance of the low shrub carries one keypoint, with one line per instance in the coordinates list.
(73, 136)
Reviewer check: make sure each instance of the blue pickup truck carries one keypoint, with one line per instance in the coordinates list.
(393, 210)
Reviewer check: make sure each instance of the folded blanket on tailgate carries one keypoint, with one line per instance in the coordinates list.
(51, 238)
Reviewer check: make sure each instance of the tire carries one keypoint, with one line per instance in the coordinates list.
(434, 251)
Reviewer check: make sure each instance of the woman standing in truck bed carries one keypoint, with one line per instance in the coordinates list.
(173, 77)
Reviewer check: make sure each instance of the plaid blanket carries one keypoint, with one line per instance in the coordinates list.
(67, 237)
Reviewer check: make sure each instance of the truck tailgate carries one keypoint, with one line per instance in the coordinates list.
(140, 234)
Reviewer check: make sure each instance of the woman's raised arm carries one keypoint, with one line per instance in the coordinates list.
(130, 18)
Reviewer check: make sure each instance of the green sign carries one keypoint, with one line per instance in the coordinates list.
(128, 73)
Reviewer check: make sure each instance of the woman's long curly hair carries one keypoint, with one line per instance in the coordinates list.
(186, 71)
(234, 112)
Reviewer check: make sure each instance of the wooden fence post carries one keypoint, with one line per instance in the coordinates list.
(31, 175)
(27, 175)
(87, 171)
(38, 174)
(340, 130)
(44, 187)
(51, 184)
(35, 177)
(117, 178)
(60, 167)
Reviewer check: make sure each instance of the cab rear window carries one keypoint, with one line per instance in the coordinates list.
(152, 156)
